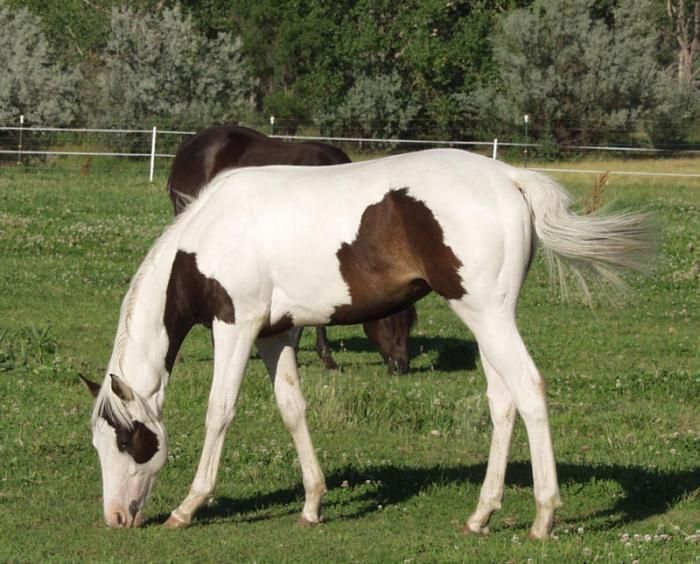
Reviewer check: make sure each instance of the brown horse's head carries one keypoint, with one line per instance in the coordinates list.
(390, 334)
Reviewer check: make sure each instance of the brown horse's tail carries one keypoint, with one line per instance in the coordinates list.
(602, 243)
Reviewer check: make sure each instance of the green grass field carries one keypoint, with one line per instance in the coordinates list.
(404, 456)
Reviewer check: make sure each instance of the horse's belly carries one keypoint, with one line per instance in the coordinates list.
(308, 301)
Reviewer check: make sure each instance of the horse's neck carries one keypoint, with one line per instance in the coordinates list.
(141, 344)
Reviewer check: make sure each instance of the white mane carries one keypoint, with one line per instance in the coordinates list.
(106, 400)
(110, 405)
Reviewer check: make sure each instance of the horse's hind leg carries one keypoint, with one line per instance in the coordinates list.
(503, 414)
(503, 350)
(279, 357)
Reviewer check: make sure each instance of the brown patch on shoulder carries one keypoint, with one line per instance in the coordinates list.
(189, 290)
(398, 256)
(192, 298)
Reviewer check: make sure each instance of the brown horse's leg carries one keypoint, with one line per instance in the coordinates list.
(322, 346)
(296, 337)
(323, 349)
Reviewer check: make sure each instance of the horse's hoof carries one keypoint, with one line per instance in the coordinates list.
(330, 364)
(538, 535)
(305, 523)
(472, 530)
(175, 523)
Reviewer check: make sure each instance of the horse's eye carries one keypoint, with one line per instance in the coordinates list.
(123, 441)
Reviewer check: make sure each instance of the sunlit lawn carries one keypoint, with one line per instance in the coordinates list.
(404, 456)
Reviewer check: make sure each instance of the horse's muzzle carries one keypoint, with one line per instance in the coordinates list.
(120, 519)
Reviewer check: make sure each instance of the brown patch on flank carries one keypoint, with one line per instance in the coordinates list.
(192, 298)
(398, 256)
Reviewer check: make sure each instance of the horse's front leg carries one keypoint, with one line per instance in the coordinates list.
(280, 360)
(323, 348)
(232, 349)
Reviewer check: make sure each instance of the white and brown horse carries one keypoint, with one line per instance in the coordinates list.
(249, 262)
(222, 147)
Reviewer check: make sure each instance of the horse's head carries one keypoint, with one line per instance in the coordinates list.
(390, 334)
(132, 446)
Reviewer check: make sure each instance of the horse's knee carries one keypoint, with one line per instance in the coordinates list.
(292, 407)
(532, 406)
(502, 413)
(219, 415)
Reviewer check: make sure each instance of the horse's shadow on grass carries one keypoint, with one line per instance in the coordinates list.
(452, 354)
(646, 492)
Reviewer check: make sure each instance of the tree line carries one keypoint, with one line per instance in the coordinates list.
(582, 71)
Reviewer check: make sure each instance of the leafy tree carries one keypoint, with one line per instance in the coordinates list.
(675, 120)
(585, 70)
(438, 48)
(288, 110)
(158, 69)
(308, 54)
(32, 83)
(291, 47)
(375, 106)
(74, 28)
(582, 74)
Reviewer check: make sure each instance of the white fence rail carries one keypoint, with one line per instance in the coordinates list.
(153, 135)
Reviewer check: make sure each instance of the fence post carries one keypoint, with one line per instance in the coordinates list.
(153, 153)
(19, 147)
(495, 148)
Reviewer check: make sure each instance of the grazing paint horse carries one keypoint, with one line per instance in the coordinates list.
(246, 258)
(222, 147)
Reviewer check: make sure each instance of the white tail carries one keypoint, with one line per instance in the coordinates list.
(598, 242)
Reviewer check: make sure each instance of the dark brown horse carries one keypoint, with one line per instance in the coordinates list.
(222, 147)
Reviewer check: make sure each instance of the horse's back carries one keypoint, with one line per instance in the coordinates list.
(447, 179)
(292, 201)
(199, 159)
(221, 147)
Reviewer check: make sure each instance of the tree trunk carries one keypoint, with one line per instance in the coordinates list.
(685, 19)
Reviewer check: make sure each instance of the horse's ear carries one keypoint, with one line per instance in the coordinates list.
(93, 387)
(121, 388)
